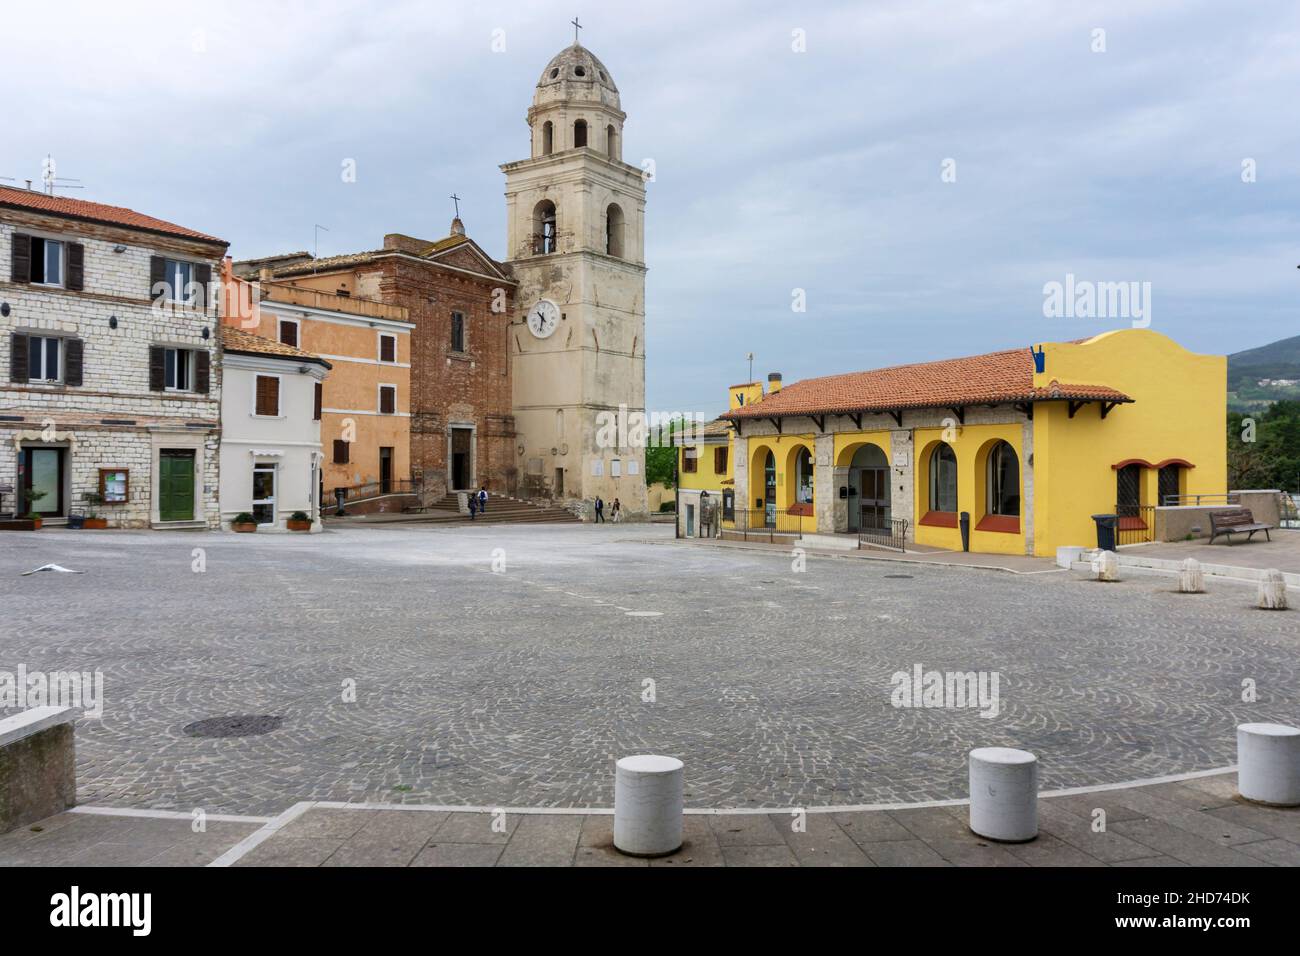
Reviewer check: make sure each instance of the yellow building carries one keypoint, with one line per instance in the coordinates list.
(703, 477)
(1023, 446)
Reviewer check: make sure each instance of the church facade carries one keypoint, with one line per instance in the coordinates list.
(527, 373)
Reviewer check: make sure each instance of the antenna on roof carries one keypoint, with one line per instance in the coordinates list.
(315, 252)
(750, 356)
(52, 181)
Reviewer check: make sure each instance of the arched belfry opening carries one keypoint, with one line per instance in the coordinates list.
(611, 141)
(579, 133)
(548, 138)
(614, 230)
(544, 228)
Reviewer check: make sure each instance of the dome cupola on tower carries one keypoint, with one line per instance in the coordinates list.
(576, 75)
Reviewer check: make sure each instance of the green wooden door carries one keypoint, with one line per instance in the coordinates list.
(176, 486)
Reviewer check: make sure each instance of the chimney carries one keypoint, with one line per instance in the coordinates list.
(773, 382)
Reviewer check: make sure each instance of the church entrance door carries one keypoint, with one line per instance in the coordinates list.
(462, 461)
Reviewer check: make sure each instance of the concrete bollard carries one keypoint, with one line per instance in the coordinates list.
(1191, 579)
(1004, 794)
(1272, 591)
(648, 798)
(1106, 566)
(1268, 764)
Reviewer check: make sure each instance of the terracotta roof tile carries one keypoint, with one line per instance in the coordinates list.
(96, 212)
(246, 343)
(996, 377)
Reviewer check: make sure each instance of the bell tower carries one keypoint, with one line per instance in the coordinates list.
(575, 242)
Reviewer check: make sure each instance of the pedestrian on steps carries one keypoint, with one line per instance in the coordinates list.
(473, 505)
(600, 510)
(482, 499)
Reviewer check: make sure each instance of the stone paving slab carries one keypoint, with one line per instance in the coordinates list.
(1151, 825)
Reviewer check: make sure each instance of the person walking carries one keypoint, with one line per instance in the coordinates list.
(482, 499)
(600, 510)
(473, 505)
(617, 511)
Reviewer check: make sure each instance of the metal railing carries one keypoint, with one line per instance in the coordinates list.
(1229, 498)
(763, 523)
(376, 489)
(892, 538)
(1136, 524)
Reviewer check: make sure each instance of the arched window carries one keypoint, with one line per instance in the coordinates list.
(1169, 484)
(579, 133)
(1003, 481)
(614, 230)
(803, 477)
(559, 424)
(548, 138)
(943, 479)
(611, 141)
(544, 228)
(1128, 490)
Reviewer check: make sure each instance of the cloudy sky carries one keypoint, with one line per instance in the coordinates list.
(777, 170)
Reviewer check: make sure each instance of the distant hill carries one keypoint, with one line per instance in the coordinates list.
(1277, 365)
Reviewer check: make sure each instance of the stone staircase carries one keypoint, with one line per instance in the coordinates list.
(502, 509)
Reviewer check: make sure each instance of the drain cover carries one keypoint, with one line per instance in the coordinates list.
(908, 576)
(240, 725)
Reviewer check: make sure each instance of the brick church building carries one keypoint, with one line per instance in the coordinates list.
(462, 432)
(518, 368)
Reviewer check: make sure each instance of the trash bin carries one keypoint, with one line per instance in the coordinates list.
(1106, 526)
(964, 523)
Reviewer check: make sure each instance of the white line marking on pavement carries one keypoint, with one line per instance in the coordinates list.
(165, 814)
(268, 830)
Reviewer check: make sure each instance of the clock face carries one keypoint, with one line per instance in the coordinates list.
(543, 318)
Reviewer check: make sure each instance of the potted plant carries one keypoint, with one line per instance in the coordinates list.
(32, 496)
(93, 519)
(244, 523)
(298, 521)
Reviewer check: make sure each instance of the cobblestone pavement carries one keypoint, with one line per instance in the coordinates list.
(1198, 822)
(521, 688)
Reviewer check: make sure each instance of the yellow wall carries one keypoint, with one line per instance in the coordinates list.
(704, 478)
(783, 449)
(1178, 412)
(971, 444)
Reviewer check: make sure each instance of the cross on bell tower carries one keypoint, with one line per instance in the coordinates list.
(576, 27)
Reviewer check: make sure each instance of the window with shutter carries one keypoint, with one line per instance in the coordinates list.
(157, 368)
(289, 332)
(20, 258)
(268, 396)
(17, 358)
(320, 394)
(73, 359)
(387, 399)
(202, 279)
(388, 348)
(340, 452)
(76, 266)
(202, 372)
(720, 461)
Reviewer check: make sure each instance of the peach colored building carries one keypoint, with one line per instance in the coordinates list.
(365, 403)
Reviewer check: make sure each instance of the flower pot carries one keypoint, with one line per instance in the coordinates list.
(36, 524)
(298, 525)
(244, 527)
(96, 524)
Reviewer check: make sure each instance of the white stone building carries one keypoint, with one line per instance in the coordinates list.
(270, 439)
(575, 243)
(107, 334)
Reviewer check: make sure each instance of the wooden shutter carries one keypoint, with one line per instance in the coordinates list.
(320, 392)
(73, 355)
(21, 261)
(387, 400)
(157, 274)
(18, 358)
(157, 368)
(202, 275)
(288, 333)
(268, 395)
(388, 348)
(720, 460)
(202, 371)
(76, 266)
(340, 452)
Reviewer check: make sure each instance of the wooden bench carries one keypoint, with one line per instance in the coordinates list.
(1235, 521)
